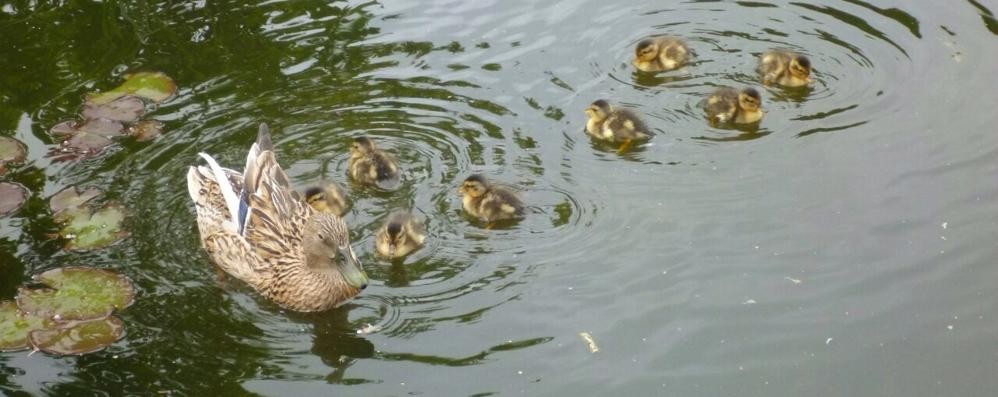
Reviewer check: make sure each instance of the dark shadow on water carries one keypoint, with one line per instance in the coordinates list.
(337, 343)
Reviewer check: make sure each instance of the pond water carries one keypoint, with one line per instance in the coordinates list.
(844, 247)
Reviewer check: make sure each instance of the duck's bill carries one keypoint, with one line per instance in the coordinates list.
(352, 270)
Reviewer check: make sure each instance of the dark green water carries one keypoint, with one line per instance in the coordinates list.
(846, 248)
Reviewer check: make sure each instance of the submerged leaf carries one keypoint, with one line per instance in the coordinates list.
(77, 293)
(155, 86)
(71, 197)
(12, 151)
(12, 197)
(126, 109)
(87, 231)
(15, 326)
(78, 337)
(146, 130)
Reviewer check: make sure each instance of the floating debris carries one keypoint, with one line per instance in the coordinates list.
(792, 280)
(749, 302)
(12, 197)
(590, 342)
(368, 329)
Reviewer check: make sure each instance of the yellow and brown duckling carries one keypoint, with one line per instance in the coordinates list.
(728, 105)
(488, 202)
(659, 54)
(328, 197)
(786, 68)
(613, 124)
(401, 234)
(372, 166)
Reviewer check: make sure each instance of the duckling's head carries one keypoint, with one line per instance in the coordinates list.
(800, 67)
(361, 146)
(598, 110)
(393, 236)
(474, 186)
(327, 197)
(646, 50)
(749, 99)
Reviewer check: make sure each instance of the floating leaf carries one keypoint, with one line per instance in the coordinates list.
(126, 109)
(71, 197)
(15, 326)
(146, 130)
(76, 293)
(78, 337)
(12, 151)
(87, 231)
(155, 86)
(12, 196)
(86, 139)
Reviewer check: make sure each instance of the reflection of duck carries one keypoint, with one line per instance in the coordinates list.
(728, 105)
(786, 68)
(370, 165)
(489, 202)
(328, 197)
(258, 230)
(658, 54)
(401, 234)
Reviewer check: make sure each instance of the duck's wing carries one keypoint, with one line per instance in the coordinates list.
(276, 216)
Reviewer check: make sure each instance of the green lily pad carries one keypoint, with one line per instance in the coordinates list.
(146, 130)
(78, 338)
(126, 109)
(15, 326)
(76, 293)
(86, 231)
(71, 197)
(154, 86)
(12, 197)
(12, 151)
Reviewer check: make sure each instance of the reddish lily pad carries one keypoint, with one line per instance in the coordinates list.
(12, 151)
(15, 326)
(85, 139)
(77, 293)
(146, 130)
(12, 197)
(71, 198)
(154, 86)
(78, 337)
(126, 109)
(87, 231)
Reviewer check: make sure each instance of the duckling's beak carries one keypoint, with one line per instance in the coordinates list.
(351, 268)
(391, 249)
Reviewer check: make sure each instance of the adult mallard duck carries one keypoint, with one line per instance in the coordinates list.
(488, 202)
(372, 166)
(659, 54)
(257, 229)
(401, 234)
(728, 105)
(786, 68)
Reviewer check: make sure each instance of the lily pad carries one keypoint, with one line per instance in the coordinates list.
(78, 337)
(86, 231)
(15, 326)
(126, 109)
(76, 293)
(146, 130)
(71, 197)
(12, 197)
(154, 86)
(12, 151)
(85, 139)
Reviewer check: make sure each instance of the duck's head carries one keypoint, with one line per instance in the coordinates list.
(327, 197)
(800, 67)
(598, 110)
(394, 235)
(646, 50)
(474, 186)
(361, 146)
(749, 99)
(327, 247)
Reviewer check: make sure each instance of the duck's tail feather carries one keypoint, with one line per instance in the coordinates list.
(237, 210)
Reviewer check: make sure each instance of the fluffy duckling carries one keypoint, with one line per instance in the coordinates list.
(786, 68)
(614, 124)
(658, 54)
(728, 105)
(401, 234)
(328, 197)
(372, 166)
(489, 202)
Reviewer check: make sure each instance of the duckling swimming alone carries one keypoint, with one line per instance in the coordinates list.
(328, 197)
(489, 202)
(401, 234)
(372, 166)
(658, 54)
(728, 105)
(786, 68)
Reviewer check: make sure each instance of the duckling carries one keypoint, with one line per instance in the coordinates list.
(372, 166)
(401, 234)
(489, 202)
(786, 68)
(728, 105)
(659, 54)
(614, 124)
(328, 197)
